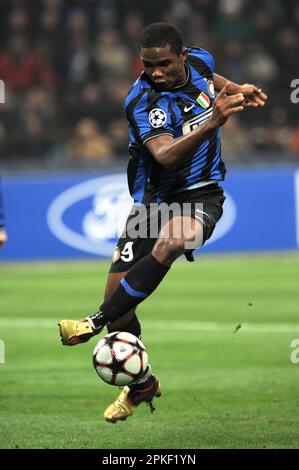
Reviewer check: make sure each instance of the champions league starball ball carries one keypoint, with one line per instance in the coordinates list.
(120, 358)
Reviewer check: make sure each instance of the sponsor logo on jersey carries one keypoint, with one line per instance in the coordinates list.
(196, 121)
(188, 108)
(203, 100)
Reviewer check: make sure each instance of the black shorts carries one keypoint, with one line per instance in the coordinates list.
(205, 204)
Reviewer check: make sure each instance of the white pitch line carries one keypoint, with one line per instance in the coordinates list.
(160, 325)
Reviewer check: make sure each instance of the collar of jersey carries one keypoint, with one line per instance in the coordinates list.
(187, 78)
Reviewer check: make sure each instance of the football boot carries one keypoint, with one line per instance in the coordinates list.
(130, 397)
(74, 332)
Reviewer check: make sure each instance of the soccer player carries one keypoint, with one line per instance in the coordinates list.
(175, 157)
(3, 235)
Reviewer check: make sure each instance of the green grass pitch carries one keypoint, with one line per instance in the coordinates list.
(219, 335)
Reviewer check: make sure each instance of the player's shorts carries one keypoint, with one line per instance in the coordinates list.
(137, 240)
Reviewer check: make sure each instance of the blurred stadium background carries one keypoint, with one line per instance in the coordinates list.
(67, 66)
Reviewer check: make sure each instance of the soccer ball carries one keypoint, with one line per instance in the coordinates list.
(120, 358)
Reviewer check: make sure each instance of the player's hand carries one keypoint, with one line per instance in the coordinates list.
(3, 236)
(226, 104)
(254, 96)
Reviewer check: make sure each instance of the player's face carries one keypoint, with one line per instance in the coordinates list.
(164, 67)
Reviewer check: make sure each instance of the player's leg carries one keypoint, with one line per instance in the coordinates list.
(146, 274)
(147, 387)
(129, 321)
(74, 332)
(179, 235)
(132, 289)
(128, 252)
(144, 277)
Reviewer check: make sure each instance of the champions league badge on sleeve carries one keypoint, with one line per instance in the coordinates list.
(157, 117)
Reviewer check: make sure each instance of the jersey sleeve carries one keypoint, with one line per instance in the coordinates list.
(203, 62)
(208, 59)
(152, 116)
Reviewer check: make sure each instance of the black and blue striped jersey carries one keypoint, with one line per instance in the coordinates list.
(178, 111)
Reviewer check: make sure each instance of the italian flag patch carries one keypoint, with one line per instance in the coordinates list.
(203, 100)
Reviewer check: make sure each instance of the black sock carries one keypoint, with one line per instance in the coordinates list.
(133, 327)
(139, 282)
(150, 378)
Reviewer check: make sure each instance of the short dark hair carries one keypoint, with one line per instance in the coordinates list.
(161, 34)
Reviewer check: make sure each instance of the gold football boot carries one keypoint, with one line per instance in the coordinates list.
(74, 332)
(129, 398)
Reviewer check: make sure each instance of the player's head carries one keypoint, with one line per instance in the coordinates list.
(163, 54)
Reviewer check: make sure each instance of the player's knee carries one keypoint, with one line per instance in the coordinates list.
(193, 239)
(168, 247)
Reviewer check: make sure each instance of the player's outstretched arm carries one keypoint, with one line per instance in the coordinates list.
(254, 96)
(169, 151)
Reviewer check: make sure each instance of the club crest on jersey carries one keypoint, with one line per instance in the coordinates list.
(116, 255)
(211, 88)
(157, 117)
(203, 100)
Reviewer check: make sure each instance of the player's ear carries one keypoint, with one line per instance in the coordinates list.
(184, 54)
